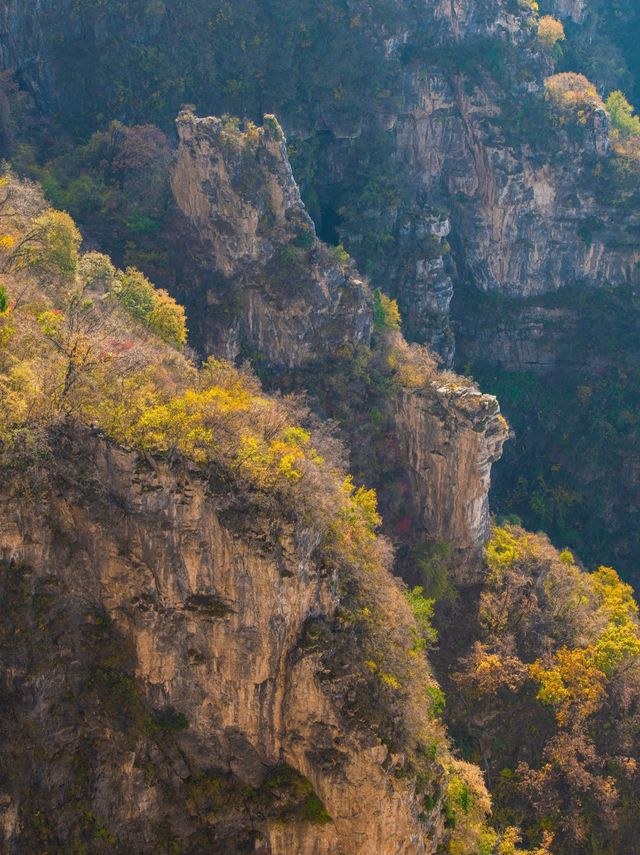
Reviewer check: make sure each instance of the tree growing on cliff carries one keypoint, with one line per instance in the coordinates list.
(572, 97)
(152, 307)
(386, 315)
(550, 32)
(625, 133)
(622, 114)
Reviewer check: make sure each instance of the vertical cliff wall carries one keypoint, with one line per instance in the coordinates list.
(156, 682)
(451, 438)
(242, 207)
(258, 278)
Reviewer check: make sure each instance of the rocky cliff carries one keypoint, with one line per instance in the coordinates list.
(450, 438)
(519, 207)
(245, 219)
(259, 281)
(157, 687)
(456, 123)
(439, 166)
(518, 217)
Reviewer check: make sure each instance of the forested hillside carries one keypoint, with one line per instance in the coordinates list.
(310, 315)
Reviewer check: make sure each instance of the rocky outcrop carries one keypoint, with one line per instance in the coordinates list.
(155, 682)
(451, 435)
(460, 19)
(22, 49)
(228, 182)
(253, 248)
(573, 9)
(458, 76)
(518, 218)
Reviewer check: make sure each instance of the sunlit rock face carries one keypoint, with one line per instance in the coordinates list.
(227, 182)
(451, 437)
(261, 280)
(156, 589)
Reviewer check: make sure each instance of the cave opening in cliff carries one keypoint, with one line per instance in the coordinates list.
(329, 230)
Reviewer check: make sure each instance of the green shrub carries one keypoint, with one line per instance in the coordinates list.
(50, 248)
(622, 117)
(422, 609)
(386, 315)
(154, 308)
(341, 254)
(433, 561)
(167, 720)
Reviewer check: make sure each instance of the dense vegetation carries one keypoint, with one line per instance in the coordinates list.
(604, 46)
(547, 697)
(84, 345)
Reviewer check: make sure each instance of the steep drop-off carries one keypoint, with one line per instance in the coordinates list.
(203, 647)
(281, 297)
(421, 138)
(132, 590)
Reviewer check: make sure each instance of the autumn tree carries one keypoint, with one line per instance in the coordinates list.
(49, 249)
(386, 315)
(572, 96)
(550, 31)
(553, 637)
(152, 307)
(622, 115)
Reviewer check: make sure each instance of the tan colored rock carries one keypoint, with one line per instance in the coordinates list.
(450, 437)
(209, 594)
(519, 219)
(269, 285)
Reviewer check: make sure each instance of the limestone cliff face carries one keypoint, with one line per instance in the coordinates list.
(420, 275)
(463, 18)
(131, 586)
(450, 437)
(524, 219)
(529, 338)
(518, 217)
(518, 214)
(253, 247)
(228, 183)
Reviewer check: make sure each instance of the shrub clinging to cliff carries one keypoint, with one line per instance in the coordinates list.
(572, 96)
(550, 31)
